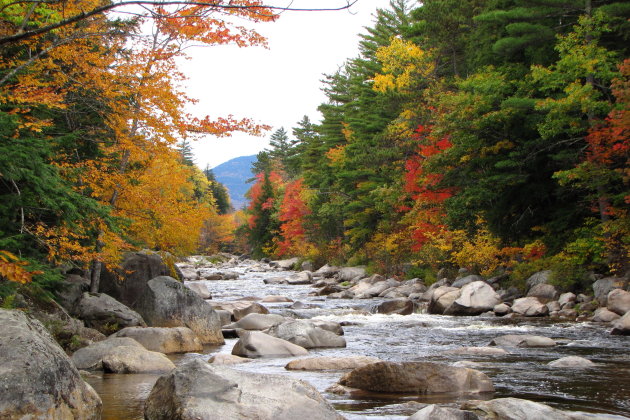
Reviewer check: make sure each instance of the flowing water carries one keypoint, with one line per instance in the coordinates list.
(523, 373)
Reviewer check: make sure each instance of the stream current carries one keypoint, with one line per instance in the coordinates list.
(523, 373)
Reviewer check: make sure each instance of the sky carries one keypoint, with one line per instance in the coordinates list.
(275, 86)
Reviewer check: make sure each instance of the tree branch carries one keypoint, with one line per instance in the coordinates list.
(20, 36)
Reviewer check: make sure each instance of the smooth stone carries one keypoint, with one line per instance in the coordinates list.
(525, 340)
(255, 344)
(227, 359)
(621, 326)
(482, 351)
(435, 412)
(618, 302)
(571, 362)
(164, 340)
(131, 359)
(256, 321)
(529, 306)
(91, 357)
(105, 314)
(276, 299)
(201, 289)
(475, 298)
(519, 409)
(306, 334)
(331, 363)
(604, 315)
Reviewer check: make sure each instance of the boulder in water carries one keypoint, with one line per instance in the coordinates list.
(400, 306)
(435, 412)
(331, 363)
(258, 322)
(164, 340)
(255, 344)
(604, 315)
(198, 390)
(618, 301)
(251, 308)
(622, 325)
(201, 289)
(525, 340)
(131, 359)
(91, 357)
(519, 409)
(106, 314)
(571, 362)
(227, 359)
(475, 298)
(529, 306)
(543, 292)
(442, 297)
(417, 378)
(306, 334)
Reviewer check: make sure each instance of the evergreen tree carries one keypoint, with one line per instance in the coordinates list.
(187, 155)
(219, 192)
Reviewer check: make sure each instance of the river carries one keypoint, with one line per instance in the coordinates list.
(523, 373)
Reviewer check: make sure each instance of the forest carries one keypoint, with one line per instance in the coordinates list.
(490, 135)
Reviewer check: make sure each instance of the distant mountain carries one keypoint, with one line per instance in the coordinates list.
(233, 175)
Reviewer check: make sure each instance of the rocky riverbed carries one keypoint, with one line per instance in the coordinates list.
(361, 344)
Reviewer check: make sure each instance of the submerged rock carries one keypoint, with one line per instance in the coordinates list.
(571, 362)
(435, 412)
(255, 344)
(519, 409)
(198, 390)
(164, 340)
(417, 378)
(525, 340)
(331, 363)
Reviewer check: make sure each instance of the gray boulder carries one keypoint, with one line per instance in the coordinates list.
(284, 264)
(525, 340)
(435, 412)
(466, 280)
(129, 282)
(198, 390)
(618, 301)
(475, 298)
(168, 303)
(351, 273)
(106, 314)
(201, 289)
(501, 309)
(602, 287)
(250, 308)
(332, 326)
(303, 277)
(326, 271)
(604, 315)
(571, 362)
(227, 359)
(258, 322)
(553, 306)
(91, 357)
(306, 334)
(543, 292)
(417, 378)
(621, 326)
(131, 359)
(442, 298)
(519, 409)
(541, 277)
(37, 379)
(529, 306)
(71, 291)
(400, 306)
(255, 344)
(331, 363)
(164, 340)
(567, 298)
(364, 290)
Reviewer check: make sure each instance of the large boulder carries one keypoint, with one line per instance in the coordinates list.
(256, 344)
(303, 277)
(622, 325)
(417, 378)
(227, 359)
(442, 297)
(519, 409)
(91, 357)
(37, 379)
(306, 334)
(524, 340)
(198, 390)
(529, 306)
(604, 315)
(475, 298)
(326, 271)
(164, 340)
(131, 359)
(331, 363)
(71, 291)
(541, 277)
(466, 280)
(285, 264)
(128, 283)
(257, 322)
(364, 290)
(566, 299)
(602, 287)
(201, 289)
(106, 314)
(435, 412)
(351, 273)
(543, 292)
(400, 306)
(250, 308)
(168, 303)
(618, 301)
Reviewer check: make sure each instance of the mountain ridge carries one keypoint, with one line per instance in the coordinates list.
(233, 174)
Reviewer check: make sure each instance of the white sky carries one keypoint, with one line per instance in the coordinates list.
(275, 86)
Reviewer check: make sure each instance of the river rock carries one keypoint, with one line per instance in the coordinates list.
(287, 264)
(306, 334)
(71, 291)
(519, 409)
(618, 301)
(400, 306)
(435, 412)
(131, 359)
(168, 303)
(525, 340)
(566, 298)
(351, 273)
(621, 326)
(466, 280)
(251, 308)
(501, 309)
(227, 359)
(256, 344)
(129, 283)
(510, 294)
(553, 306)
(363, 292)
(529, 306)
(568, 313)
(106, 314)
(478, 351)
(276, 299)
(164, 340)
(303, 277)
(571, 362)
(326, 271)
(476, 297)
(37, 379)
(198, 390)
(201, 289)
(257, 322)
(417, 378)
(442, 298)
(604, 315)
(331, 363)
(541, 277)
(544, 292)
(332, 326)
(91, 357)
(602, 287)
